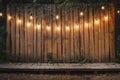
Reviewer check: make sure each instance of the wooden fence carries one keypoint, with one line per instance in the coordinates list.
(45, 33)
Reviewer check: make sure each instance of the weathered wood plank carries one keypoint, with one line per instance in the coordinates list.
(13, 31)
(58, 32)
(35, 57)
(76, 34)
(49, 34)
(91, 32)
(82, 34)
(54, 35)
(102, 22)
(17, 35)
(31, 17)
(42, 34)
(86, 37)
(96, 33)
(8, 32)
(67, 35)
(112, 31)
(22, 40)
(38, 35)
(72, 33)
(106, 36)
(63, 34)
(99, 36)
(26, 37)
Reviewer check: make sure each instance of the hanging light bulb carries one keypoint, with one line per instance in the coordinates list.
(38, 26)
(86, 24)
(76, 27)
(103, 7)
(28, 24)
(9, 17)
(1, 14)
(96, 21)
(106, 18)
(81, 13)
(19, 21)
(67, 28)
(58, 28)
(48, 28)
(57, 16)
(118, 11)
(31, 17)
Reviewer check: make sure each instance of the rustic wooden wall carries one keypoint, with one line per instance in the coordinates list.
(77, 37)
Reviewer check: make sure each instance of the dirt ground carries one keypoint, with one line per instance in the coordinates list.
(21, 76)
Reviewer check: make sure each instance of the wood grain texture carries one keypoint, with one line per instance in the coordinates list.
(78, 37)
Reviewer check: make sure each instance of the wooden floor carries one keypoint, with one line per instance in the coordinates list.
(59, 67)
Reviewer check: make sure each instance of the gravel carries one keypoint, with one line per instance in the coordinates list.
(24, 76)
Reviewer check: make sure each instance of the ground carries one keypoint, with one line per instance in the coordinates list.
(34, 70)
(24, 76)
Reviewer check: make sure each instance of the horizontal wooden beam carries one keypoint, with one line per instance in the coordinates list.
(59, 68)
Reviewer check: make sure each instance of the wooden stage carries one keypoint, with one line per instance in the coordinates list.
(46, 67)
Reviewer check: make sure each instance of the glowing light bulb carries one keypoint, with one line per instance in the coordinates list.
(48, 28)
(58, 28)
(9, 17)
(57, 16)
(81, 13)
(86, 24)
(19, 21)
(38, 26)
(76, 27)
(67, 28)
(28, 24)
(96, 21)
(31, 17)
(106, 18)
(102, 7)
(1, 14)
(118, 11)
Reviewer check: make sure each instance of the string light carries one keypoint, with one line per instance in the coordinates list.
(81, 13)
(38, 26)
(118, 11)
(1, 14)
(96, 21)
(86, 24)
(28, 24)
(102, 7)
(76, 27)
(58, 28)
(57, 16)
(48, 28)
(19, 21)
(106, 18)
(9, 17)
(67, 28)
(31, 17)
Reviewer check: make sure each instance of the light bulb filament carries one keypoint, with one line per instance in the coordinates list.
(106, 18)
(19, 21)
(57, 16)
(81, 13)
(9, 17)
(28, 24)
(48, 28)
(31, 17)
(67, 28)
